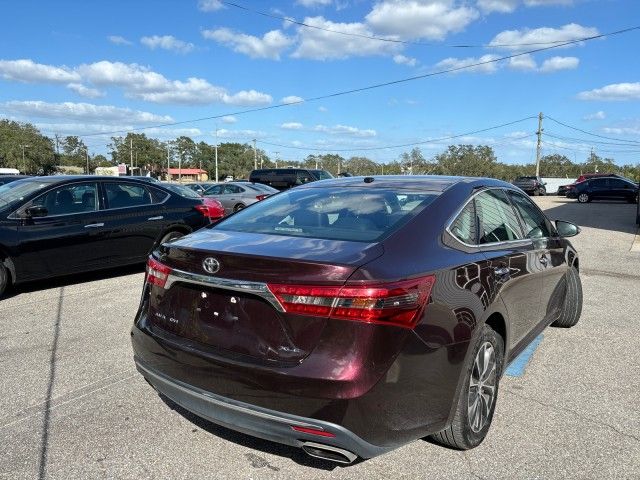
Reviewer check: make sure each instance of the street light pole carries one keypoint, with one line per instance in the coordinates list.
(216, 148)
(86, 156)
(24, 162)
(168, 178)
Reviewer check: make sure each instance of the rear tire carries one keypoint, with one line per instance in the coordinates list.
(4, 278)
(467, 430)
(572, 307)
(536, 192)
(238, 207)
(169, 237)
(584, 198)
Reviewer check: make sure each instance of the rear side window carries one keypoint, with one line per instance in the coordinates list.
(121, 195)
(535, 223)
(352, 214)
(497, 219)
(464, 226)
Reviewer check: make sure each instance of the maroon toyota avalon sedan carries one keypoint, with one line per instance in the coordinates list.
(350, 316)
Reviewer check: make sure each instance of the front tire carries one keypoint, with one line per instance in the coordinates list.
(4, 278)
(584, 198)
(238, 207)
(572, 307)
(477, 401)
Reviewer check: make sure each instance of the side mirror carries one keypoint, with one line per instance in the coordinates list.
(36, 211)
(567, 229)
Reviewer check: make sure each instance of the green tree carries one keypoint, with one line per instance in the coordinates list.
(22, 146)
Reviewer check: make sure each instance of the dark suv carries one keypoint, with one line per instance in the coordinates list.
(285, 178)
(350, 316)
(604, 188)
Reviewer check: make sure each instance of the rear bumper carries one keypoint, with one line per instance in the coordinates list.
(256, 421)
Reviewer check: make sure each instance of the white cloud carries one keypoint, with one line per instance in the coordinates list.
(209, 5)
(85, 91)
(292, 99)
(229, 119)
(615, 91)
(270, 45)
(452, 63)
(555, 64)
(314, 3)
(528, 38)
(242, 134)
(508, 6)
(433, 19)
(82, 111)
(345, 130)
(523, 63)
(292, 126)
(142, 83)
(599, 115)
(26, 70)
(321, 45)
(622, 130)
(501, 6)
(118, 40)
(404, 60)
(323, 109)
(167, 42)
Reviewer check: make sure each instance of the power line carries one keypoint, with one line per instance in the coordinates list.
(423, 142)
(386, 39)
(368, 87)
(591, 133)
(588, 141)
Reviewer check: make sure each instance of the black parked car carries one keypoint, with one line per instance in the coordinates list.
(59, 225)
(4, 179)
(350, 316)
(531, 184)
(605, 188)
(285, 178)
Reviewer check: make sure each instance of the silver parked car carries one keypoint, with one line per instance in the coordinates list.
(235, 196)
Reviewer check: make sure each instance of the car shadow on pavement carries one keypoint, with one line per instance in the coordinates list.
(603, 215)
(255, 443)
(68, 280)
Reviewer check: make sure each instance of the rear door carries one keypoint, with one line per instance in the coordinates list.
(550, 254)
(621, 189)
(513, 260)
(598, 188)
(69, 238)
(134, 218)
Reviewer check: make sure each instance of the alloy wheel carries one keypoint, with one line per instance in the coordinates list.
(583, 198)
(482, 387)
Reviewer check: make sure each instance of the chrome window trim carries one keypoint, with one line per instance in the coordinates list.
(259, 289)
(515, 243)
(14, 215)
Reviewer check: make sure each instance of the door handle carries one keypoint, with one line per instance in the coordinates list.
(94, 225)
(159, 217)
(502, 271)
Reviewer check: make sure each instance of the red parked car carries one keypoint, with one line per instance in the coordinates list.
(350, 316)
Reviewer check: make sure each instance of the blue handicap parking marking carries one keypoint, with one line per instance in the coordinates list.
(517, 366)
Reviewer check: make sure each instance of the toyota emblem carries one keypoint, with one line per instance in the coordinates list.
(211, 265)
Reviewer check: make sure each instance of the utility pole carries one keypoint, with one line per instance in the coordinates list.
(276, 158)
(131, 152)
(168, 159)
(261, 160)
(86, 156)
(255, 155)
(539, 146)
(24, 162)
(216, 148)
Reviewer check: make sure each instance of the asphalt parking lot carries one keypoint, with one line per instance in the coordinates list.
(73, 406)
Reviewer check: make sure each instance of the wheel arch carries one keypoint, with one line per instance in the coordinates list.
(5, 259)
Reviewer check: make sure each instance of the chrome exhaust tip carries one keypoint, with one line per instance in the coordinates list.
(327, 452)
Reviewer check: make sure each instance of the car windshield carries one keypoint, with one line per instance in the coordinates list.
(13, 193)
(181, 190)
(353, 214)
(321, 174)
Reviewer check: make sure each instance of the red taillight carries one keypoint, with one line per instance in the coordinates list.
(261, 197)
(157, 273)
(398, 303)
(313, 431)
(211, 208)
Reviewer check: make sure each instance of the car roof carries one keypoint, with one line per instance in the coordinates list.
(438, 183)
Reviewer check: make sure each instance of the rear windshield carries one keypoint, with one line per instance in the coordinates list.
(352, 214)
(321, 174)
(181, 190)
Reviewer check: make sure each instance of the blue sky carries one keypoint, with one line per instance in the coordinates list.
(89, 68)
